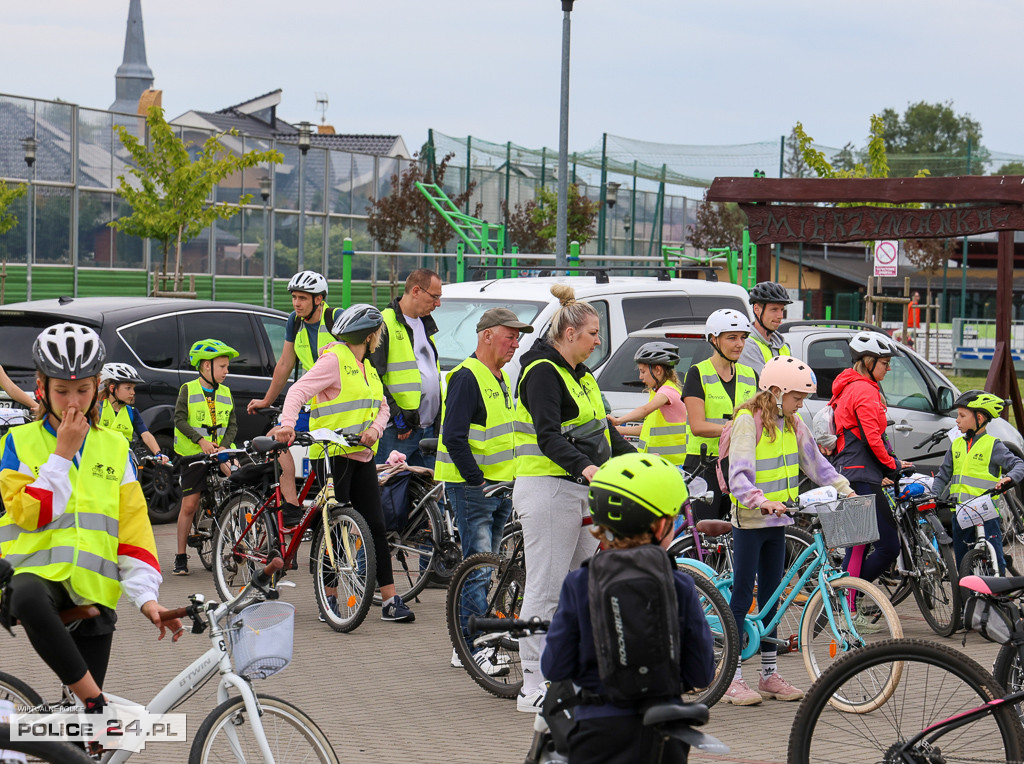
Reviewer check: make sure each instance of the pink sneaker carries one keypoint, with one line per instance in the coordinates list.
(777, 687)
(740, 694)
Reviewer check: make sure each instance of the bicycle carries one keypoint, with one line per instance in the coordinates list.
(981, 558)
(550, 744)
(216, 489)
(1001, 597)
(841, 613)
(250, 639)
(49, 751)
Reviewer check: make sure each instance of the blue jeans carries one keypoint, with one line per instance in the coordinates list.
(962, 537)
(760, 553)
(410, 446)
(481, 522)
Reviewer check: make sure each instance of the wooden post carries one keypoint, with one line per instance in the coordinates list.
(906, 308)
(1002, 377)
(867, 299)
(928, 326)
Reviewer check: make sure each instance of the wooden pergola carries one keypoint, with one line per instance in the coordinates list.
(780, 210)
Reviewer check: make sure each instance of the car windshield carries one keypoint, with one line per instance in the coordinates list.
(18, 331)
(456, 324)
(620, 375)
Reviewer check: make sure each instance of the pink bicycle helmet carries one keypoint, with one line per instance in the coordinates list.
(788, 374)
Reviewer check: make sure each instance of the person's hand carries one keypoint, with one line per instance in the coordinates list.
(71, 432)
(282, 434)
(906, 464)
(262, 403)
(207, 446)
(773, 508)
(1003, 482)
(615, 420)
(886, 481)
(404, 435)
(825, 451)
(368, 436)
(589, 472)
(162, 458)
(152, 611)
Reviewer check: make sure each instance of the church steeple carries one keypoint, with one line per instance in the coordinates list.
(133, 76)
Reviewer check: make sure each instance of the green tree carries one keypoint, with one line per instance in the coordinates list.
(8, 195)
(933, 135)
(581, 218)
(169, 191)
(523, 228)
(1011, 168)
(795, 166)
(718, 225)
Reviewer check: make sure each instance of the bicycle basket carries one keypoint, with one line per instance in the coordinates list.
(261, 638)
(848, 522)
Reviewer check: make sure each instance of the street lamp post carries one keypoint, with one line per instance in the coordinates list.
(29, 145)
(562, 213)
(627, 225)
(611, 190)
(305, 138)
(268, 245)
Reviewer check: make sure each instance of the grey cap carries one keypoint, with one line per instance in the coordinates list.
(501, 317)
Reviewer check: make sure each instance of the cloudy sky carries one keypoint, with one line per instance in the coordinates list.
(671, 71)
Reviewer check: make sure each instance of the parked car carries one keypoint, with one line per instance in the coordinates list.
(154, 335)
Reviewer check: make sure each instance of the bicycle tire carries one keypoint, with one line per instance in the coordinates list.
(797, 540)
(291, 734)
(726, 640)
(203, 529)
(236, 557)
(822, 644)
(505, 584)
(49, 751)
(1008, 670)
(18, 692)
(348, 564)
(715, 556)
(937, 588)
(952, 683)
(1015, 519)
(977, 563)
(413, 553)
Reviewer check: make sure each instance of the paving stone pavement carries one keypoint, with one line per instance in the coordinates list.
(386, 692)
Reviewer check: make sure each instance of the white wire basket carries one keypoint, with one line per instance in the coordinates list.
(848, 522)
(262, 635)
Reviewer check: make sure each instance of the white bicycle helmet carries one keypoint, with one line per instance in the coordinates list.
(726, 320)
(68, 351)
(788, 374)
(119, 372)
(356, 323)
(308, 281)
(871, 343)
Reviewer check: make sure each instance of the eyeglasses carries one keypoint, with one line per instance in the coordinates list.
(437, 297)
(885, 362)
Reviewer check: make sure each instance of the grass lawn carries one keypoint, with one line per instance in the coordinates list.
(978, 383)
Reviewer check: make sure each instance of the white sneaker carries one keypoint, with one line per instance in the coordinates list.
(492, 663)
(532, 703)
(456, 661)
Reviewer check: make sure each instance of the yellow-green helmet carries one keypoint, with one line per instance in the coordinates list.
(977, 400)
(203, 350)
(631, 491)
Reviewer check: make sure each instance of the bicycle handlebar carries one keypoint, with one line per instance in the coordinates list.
(514, 626)
(260, 580)
(935, 437)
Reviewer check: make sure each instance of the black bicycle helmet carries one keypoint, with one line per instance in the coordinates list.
(69, 351)
(631, 491)
(356, 323)
(769, 291)
(662, 353)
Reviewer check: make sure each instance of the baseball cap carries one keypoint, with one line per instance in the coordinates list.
(502, 317)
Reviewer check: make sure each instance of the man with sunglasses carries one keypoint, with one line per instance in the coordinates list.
(407, 362)
(477, 447)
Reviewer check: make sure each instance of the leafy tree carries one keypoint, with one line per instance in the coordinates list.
(581, 218)
(846, 158)
(795, 166)
(523, 228)
(1011, 168)
(928, 256)
(718, 225)
(8, 195)
(935, 129)
(168, 191)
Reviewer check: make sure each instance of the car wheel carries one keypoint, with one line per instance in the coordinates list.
(160, 485)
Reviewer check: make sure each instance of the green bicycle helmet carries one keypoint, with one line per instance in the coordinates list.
(203, 350)
(978, 400)
(631, 491)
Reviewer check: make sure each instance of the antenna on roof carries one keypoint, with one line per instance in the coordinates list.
(321, 106)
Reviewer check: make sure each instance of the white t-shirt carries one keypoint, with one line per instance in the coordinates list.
(430, 388)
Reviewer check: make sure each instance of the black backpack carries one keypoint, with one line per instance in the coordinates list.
(635, 617)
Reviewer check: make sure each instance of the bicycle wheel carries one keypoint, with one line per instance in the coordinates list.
(203, 527)
(345, 568)
(1008, 670)
(42, 750)
(861, 615)
(226, 734)
(937, 683)
(492, 586)
(412, 553)
(797, 540)
(715, 550)
(18, 692)
(977, 563)
(238, 552)
(726, 637)
(1013, 524)
(937, 587)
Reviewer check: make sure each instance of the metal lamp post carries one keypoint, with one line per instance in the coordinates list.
(29, 145)
(268, 245)
(562, 213)
(305, 138)
(627, 225)
(611, 191)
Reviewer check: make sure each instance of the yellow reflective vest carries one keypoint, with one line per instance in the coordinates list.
(971, 468)
(199, 418)
(493, 444)
(355, 407)
(659, 436)
(120, 421)
(324, 337)
(766, 350)
(80, 545)
(777, 473)
(402, 376)
(718, 406)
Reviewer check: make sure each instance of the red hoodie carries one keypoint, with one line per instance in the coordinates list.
(853, 392)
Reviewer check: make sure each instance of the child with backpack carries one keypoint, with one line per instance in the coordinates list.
(769, 445)
(629, 629)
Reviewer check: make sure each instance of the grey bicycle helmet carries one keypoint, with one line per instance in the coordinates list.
(119, 372)
(356, 323)
(871, 344)
(308, 281)
(769, 291)
(69, 351)
(663, 353)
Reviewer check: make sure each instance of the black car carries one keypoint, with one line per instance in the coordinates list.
(154, 335)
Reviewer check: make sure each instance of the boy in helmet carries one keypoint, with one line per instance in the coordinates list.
(117, 409)
(633, 499)
(204, 423)
(768, 301)
(975, 463)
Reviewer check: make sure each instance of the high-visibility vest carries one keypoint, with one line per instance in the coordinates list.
(493, 444)
(80, 545)
(767, 351)
(971, 475)
(355, 407)
(119, 421)
(323, 338)
(402, 377)
(530, 460)
(777, 473)
(199, 418)
(718, 406)
(659, 436)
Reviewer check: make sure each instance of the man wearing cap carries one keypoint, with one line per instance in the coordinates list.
(477, 443)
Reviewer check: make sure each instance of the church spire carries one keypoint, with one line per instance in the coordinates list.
(133, 76)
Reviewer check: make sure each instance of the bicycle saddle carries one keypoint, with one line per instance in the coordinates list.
(428, 446)
(691, 713)
(993, 584)
(714, 527)
(262, 444)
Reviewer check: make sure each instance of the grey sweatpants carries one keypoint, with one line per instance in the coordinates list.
(555, 540)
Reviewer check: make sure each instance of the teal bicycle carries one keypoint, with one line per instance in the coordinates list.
(834, 613)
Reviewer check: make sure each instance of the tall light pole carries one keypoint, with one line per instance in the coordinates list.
(562, 214)
(29, 145)
(611, 191)
(268, 245)
(305, 138)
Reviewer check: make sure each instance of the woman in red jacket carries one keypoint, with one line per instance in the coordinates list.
(864, 455)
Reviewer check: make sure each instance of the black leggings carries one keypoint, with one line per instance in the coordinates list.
(356, 482)
(37, 603)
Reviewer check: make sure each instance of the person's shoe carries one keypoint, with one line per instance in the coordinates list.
(492, 663)
(180, 565)
(395, 609)
(332, 603)
(532, 703)
(456, 660)
(865, 624)
(740, 694)
(291, 515)
(774, 686)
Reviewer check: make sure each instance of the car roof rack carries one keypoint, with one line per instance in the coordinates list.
(600, 274)
(831, 323)
(671, 321)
